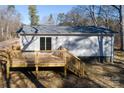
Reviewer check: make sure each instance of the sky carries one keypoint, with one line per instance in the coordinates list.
(43, 11)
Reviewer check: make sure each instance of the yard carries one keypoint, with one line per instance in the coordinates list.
(98, 75)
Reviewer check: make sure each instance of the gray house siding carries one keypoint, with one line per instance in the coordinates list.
(78, 45)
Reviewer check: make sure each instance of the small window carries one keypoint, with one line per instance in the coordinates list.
(45, 43)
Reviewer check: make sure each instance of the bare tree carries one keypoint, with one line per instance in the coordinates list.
(9, 22)
(120, 9)
(92, 14)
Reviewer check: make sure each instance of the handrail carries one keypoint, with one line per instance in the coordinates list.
(45, 51)
(3, 50)
(73, 55)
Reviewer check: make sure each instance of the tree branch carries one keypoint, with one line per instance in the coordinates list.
(116, 7)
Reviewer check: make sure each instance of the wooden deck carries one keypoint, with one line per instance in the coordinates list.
(44, 60)
(13, 57)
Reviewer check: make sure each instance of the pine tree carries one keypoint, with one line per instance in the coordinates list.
(34, 18)
(50, 20)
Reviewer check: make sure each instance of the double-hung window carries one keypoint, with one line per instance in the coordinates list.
(45, 43)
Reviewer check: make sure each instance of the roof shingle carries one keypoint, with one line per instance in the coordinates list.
(53, 29)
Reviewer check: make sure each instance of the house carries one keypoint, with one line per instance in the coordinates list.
(85, 41)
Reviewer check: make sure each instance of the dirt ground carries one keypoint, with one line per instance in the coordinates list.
(98, 75)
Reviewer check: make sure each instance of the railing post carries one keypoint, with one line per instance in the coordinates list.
(36, 62)
(83, 70)
(9, 60)
(65, 59)
(79, 68)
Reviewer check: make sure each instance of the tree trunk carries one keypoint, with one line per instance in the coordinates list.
(2, 32)
(7, 32)
(92, 14)
(122, 26)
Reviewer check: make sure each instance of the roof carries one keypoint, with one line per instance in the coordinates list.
(54, 29)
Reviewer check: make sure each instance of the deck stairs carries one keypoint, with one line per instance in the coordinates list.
(74, 64)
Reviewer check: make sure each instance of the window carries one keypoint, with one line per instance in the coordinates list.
(45, 43)
(42, 43)
(48, 43)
